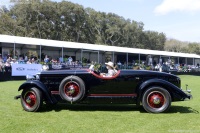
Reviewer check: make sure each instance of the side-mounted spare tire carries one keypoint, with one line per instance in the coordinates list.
(72, 89)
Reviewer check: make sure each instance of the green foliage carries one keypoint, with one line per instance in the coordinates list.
(84, 60)
(67, 21)
(148, 67)
(194, 48)
(12, 53)
(62, 118)
(97, 66)
(184, 47)
(138, 62)
(32, 53)
(137, 67)
(155, 40)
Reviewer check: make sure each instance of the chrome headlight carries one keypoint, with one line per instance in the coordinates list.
(37, 77)
(30, 77)
(45, 67)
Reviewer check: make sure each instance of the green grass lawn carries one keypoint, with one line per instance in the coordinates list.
(182, 116)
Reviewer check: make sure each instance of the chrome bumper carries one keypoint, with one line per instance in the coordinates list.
(188, 92)
(190, 96)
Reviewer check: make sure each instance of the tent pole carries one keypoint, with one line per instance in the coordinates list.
(113, 58)
(178, 61)
(62, 55)
(126, 60)
(186, 61)
(98, 57)
(81, 56)
(14, 51)
(139, 58)
(193, 61)
(40, 53)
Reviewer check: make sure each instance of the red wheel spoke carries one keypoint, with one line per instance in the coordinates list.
(156, 99)
(30, 99)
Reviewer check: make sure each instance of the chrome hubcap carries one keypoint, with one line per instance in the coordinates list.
(28, 100)
(71, 90)
(156, 100)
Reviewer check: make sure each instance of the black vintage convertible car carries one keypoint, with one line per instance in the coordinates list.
(154, 90)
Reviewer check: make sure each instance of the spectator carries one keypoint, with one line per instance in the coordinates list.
(160, 61)
(61, 60)
(26, 58)
(197, 65)
(165, 67)
(33, 61)
(13, 61)
(119, 63)
(70, 60)
(46, 59)
(8, 65)
(21, 60)
(53, 61)
(5, 58)
(29, 61)
(157, 67)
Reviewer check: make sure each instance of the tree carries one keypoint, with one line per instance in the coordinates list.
(194, 48)
(154, 40)
(67, 21)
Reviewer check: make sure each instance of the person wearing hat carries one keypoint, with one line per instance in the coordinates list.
(111, 70)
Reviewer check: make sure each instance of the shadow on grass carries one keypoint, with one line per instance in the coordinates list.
(182, 109)
(108, 107)
(91, 107)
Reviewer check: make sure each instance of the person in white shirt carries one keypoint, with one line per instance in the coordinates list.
(33, 61)
(111, 70)
(70, 60)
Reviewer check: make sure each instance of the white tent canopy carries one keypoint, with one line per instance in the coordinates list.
(74, 45)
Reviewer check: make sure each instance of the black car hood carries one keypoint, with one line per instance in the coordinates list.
(146, 72)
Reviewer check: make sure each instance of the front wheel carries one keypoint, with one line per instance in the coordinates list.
(156, 100)
(31, 99)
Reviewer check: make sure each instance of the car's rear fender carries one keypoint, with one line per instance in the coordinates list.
(36, 83)
(176, 93)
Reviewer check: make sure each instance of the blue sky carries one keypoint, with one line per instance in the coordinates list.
(178, 19)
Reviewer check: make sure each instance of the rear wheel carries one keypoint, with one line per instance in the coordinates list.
(156, 100)
(31, 99)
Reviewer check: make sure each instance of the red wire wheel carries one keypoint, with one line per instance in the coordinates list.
(72, 89)
(31, 99)
(156, 100)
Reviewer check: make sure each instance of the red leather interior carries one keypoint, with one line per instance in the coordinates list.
(101, 77)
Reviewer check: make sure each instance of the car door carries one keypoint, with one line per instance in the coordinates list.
(123, 83)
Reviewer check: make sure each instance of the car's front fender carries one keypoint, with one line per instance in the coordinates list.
(36, 83)
(176, 93)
